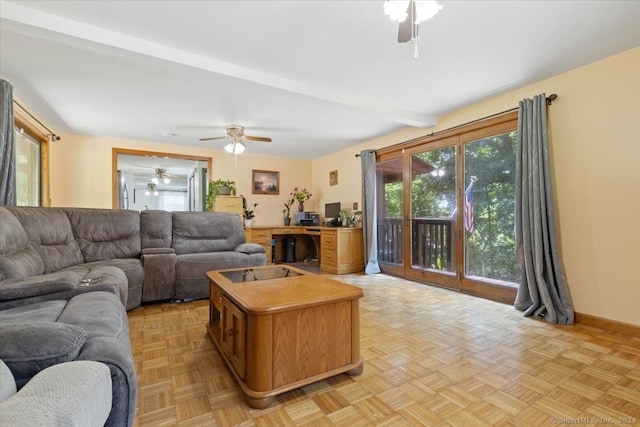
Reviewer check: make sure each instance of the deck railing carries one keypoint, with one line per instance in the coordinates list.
(432, 242)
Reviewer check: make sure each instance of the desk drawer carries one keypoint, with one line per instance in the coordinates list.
(329, 257)
(260, 234)
(328, 241)
(262, 241)
(285, 231)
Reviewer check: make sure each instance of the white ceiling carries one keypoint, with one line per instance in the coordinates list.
(316, 76)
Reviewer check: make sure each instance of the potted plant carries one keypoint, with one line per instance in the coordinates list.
(354, 219)
(249, 213)
(286, 212)
(219, 187)
(343, 217)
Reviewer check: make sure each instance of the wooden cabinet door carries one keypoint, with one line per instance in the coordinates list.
(233, 335)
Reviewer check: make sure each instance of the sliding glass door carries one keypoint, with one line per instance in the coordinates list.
(446, 211)
(432, 211)
(390, 196)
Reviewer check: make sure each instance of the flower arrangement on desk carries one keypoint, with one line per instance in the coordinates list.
(249, 214)
(301, 195)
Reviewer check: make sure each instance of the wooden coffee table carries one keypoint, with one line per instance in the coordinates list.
(279, 328)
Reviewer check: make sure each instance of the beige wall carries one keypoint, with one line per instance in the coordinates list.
(81, 172)
(595, 153)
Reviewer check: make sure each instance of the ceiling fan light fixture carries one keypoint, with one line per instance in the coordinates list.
(417, 11)
(166, 180)
(235, 147)
(396, 10)
(155, 180)
(426, 10)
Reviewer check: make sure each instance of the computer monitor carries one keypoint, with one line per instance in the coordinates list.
(332, 210)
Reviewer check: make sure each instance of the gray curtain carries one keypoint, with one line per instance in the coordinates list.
(369, 219)
(7, 147)
(543, 290)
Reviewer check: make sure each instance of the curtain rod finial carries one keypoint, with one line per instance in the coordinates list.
(551, 98)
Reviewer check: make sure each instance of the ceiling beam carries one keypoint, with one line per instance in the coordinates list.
(24, 16)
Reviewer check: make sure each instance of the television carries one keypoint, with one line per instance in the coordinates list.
(331, 210)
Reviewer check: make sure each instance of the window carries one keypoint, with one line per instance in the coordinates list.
(27, 153)
(32, 159)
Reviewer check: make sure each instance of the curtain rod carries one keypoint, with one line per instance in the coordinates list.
(51, 134)
(549, 99)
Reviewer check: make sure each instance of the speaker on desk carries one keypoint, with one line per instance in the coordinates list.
(290, 249)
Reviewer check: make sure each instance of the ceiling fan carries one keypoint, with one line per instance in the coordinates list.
(236, 134)
(161, 174)
(409, 14)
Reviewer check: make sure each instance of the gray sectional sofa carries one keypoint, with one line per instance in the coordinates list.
(68, 275)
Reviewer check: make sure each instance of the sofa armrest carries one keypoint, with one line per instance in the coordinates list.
(59, 285)
(250, 248)
(13, 289)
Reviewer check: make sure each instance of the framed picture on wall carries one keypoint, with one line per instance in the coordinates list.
(333, 177)
(265, 182)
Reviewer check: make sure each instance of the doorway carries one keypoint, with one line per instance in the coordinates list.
(154, 180)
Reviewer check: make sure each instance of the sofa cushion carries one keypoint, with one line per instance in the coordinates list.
(68, 394)
(191, 270)
(155, 229)
(7, 382)
(98, 313)
(49, 231)
(28, 348)
(105, 233)
(198, 232)
(18, 258)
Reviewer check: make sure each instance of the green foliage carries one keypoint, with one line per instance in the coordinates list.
(214, 190)
(491, 247)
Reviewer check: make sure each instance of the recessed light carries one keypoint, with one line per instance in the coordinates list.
(168, 134)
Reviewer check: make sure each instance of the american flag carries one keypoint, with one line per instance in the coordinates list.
(468, 208)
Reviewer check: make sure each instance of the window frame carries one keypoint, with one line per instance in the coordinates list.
(33, 130)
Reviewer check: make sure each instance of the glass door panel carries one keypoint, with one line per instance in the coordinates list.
(489, 199)
(389, 215)
(433, 214)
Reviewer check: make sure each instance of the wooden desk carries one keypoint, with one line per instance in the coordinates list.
(279, 328)
(338, 249)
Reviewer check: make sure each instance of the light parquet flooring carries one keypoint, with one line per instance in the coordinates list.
(432, 357)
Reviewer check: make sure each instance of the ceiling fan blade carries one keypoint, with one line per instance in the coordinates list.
(257, 138)
(212, 139)
(405, 29)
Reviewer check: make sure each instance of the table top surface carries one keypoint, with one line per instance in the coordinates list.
(280, 287)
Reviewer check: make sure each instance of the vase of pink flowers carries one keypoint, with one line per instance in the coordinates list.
(301, 195)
